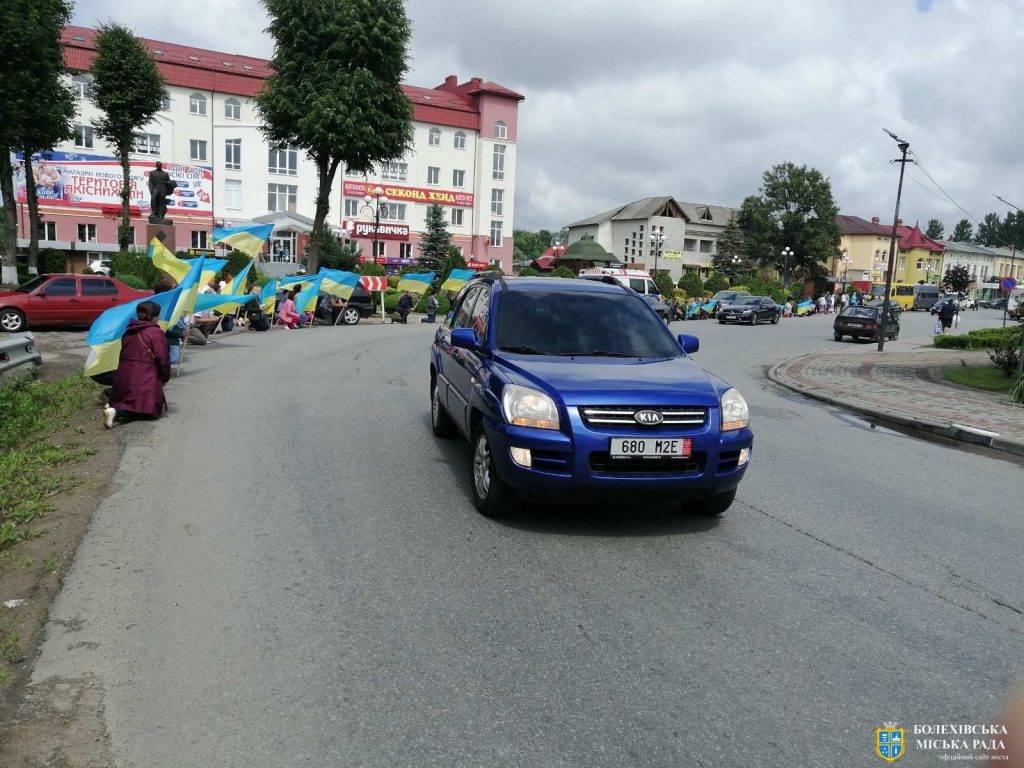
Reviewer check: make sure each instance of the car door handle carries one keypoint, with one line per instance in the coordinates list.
(114, 300)
(75, 300)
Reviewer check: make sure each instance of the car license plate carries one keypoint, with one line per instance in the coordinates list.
(856, 325)
(652, 447)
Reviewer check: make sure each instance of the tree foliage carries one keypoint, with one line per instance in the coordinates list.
(128, 90)
(795, 209)
(663, 282)
(731, 244)
(335, 91)
(935, 230)
(453, 260)
(691, 284)
(715, 283)
(562, 272)
(963, 232)
(334, 253)
(957, 278)
(990, 231)
(436, 241)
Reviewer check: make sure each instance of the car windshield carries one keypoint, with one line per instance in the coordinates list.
(725, 295)
(580, 323)
(32, 284)
(748, 300)
(860, 312)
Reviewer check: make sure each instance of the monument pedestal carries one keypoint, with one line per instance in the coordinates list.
(163, 232)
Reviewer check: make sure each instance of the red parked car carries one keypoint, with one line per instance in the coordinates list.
(62, 299)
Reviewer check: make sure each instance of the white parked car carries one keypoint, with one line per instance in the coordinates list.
(100, 267)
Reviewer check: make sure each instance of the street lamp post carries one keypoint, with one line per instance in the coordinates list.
(846, 267)
(904, 146)
(373, 204)
(657, 241)
(787, 254)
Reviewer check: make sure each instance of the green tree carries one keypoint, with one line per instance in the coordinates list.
(128, 91)
(453, 260)
(731, 245)
(530, 272)
(334, 253)
(990, 231)
(935, 230)
(372, 269)
(335, 91)
(794, 209)
(528, 243)
(691, 284)
(963, 232)
(715, 283)
(663, 282)
(957, 278)
(436, 240)
(562, 272)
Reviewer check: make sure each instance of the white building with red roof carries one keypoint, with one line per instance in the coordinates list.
(207, 135)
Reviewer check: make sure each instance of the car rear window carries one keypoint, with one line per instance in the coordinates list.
(98, 288)
(581, 322)
(860, 312)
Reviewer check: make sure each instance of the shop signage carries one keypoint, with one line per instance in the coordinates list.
(400, 194)
(478, 265)
(385, 231)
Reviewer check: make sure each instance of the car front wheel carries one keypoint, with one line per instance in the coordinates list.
(12, 321)
(837, 336)
(491, 496)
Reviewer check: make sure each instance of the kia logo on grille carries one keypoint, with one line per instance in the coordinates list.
(648, 418)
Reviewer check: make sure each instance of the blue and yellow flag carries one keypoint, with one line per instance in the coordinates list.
(236, 288)
(248, 239)
(693, 309)
(104, 338)
(219, 302)
(804, 307)
(457, 279)
(166, 261)
(337, 282)
(710, 306)
(187, 289)
(210, 268)
(416, 282)
(284, 282)
(305, 300)
(268, 297)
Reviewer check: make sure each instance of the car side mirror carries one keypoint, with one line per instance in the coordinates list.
(465, 338)
(690, 344)
(41, 292)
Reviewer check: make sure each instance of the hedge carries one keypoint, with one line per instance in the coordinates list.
(983, 338)
(133, 281)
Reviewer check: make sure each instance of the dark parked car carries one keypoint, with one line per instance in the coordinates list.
(750, 309)
(727, 297)
(575, 390)
(896, 308)
(360, 305)
(862, 323)
(62, 299)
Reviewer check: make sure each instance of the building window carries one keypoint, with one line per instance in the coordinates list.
(233, 154)
(392, 171)
(281, 197)
(84, 136)
(392, 212)
(498, 169)
(457, 217)
(282, 247)
(460, 140)
(689, 244)
(380, 249)
(434, 137)
(283, 160)
(458, 178)
(405, 250)
(233, 194)
(920, 263)
(351, 206)
(87, 233)
(197, 149)
(233, 109)
(48, 231)
(497, 202)
(500, 130)
(199, 238)
(706, 246)
(81, 86)
(433, 175)
(165, 102)
(131, 235)
(146, 144)
(496, 234)
(197, 104)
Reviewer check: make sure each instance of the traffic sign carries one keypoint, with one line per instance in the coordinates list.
(1007, 284)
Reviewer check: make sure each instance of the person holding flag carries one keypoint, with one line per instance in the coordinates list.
(143, 368)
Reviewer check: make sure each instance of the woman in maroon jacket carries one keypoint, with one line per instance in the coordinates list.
(142, 371)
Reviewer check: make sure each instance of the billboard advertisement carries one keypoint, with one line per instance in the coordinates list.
(399, 194)
(90, 181)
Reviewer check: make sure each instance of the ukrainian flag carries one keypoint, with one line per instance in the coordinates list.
(237, 288)
(337, 282)
(268, 297)
(210, 268)
(305, 300)
(416, 282)
(804, 306)
(187, 289)
(248, 239)
(104, 338)
(710, 306)
(166, 261)
(693, 309)
(284, 282)
(220, 302)
(457, 279)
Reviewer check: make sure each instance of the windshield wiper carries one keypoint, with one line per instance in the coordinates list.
(524, 350)
(596, 353)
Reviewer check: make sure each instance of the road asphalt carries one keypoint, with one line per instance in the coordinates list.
(291, 573)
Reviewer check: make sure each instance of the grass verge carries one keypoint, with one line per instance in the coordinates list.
(980, 377)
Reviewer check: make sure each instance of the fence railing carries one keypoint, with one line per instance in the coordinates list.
(16, 350)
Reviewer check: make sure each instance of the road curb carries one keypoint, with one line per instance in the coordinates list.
(960, 432)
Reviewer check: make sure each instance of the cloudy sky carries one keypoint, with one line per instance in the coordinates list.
(695, 98)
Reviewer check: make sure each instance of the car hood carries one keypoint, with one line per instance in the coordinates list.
(12, 295)
(609, 380)
(736, 306)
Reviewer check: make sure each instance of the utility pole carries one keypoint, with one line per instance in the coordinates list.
(1009, 295)
(904, 146)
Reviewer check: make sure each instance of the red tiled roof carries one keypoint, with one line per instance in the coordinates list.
(189, 67)
(913, 237)
(855, 225)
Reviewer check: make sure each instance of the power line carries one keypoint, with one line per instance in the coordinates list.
(938, 186)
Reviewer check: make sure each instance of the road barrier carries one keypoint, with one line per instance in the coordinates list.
(16, 350)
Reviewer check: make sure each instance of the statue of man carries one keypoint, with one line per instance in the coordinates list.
(161, 186)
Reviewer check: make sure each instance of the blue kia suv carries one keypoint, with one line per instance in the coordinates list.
(575, 390)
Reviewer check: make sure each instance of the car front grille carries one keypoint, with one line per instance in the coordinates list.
(601, 462)
(688, 416)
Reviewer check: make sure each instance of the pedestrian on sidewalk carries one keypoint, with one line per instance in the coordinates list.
(144, 367)
(946, 315)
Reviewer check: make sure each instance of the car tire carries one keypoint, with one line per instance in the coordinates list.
(775, 319)
(721, 322)
(894, 335)
(491, 496)
(350, 316)
(837, 336)
(12, 320)
(717, 504)
(441, 422)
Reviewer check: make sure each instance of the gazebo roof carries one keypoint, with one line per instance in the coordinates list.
(586, 249)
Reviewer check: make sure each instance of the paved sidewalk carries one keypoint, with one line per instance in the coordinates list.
(905, 385)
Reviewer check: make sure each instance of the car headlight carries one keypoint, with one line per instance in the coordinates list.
(525, 407)
(735, 414)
